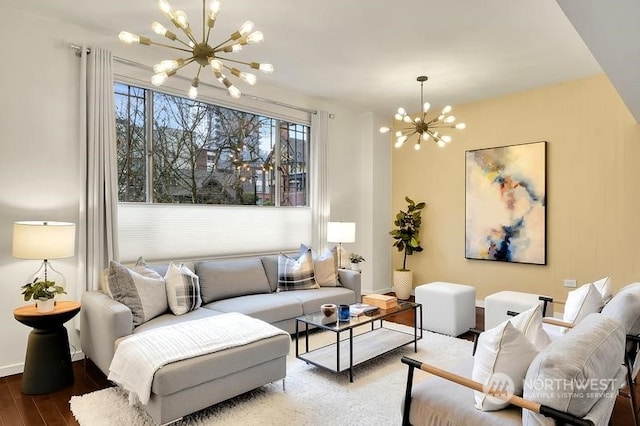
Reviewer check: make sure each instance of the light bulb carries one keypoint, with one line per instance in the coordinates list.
(129, 38)
(461, 126)
(398, 144)
(181, 19)
(193, 92)
(425, 136)
(266, 68)
(384, 129)
(406, 119)
(450, 119)
(246, 28)
(158, 28)
(165, 7)
(234, 91)
(446, 109)
(255, 37)
(440, 117)
(398, 116)
(441, 143)
(249, 78)
(446, 138)
(214, 8)
(402, 111)
(417, 145)
(398, 133)
(426, 107)
(216, 65)
(159, 78)
(402, 139)
(417, 119)
(168, 65)
(236, 47)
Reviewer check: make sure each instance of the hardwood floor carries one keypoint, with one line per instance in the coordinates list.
(18, 409)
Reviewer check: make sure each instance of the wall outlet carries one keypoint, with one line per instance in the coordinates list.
(570, 283)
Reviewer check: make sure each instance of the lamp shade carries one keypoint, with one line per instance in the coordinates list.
(43, 240)
(341, 232)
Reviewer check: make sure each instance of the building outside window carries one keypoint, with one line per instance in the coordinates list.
(177, 150)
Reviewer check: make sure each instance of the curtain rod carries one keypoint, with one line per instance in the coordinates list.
(131, 63)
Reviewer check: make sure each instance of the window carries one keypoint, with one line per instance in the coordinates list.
(177, 150)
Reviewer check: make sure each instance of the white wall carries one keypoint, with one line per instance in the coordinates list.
(39, 162)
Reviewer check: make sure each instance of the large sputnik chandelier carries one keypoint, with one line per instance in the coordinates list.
(203, 53)
(421, 126)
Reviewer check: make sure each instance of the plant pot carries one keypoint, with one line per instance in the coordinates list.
(45, 305)
(355, 266)
(402, 284)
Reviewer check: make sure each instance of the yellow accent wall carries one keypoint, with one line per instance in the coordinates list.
(593, 189)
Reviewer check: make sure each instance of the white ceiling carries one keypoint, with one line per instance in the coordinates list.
(368, 53)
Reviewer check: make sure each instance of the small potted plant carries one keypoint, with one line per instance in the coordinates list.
(355, 260)
(43, 292)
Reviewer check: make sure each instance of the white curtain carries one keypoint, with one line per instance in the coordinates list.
(97, 230)
(319, 179)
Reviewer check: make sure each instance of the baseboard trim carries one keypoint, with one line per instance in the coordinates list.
(10, 370)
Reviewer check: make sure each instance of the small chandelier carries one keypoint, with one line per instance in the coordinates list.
(203, 53)
(421, 126)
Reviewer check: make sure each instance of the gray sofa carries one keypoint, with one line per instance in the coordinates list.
(246, 285)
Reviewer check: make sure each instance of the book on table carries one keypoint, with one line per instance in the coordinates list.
(358, 309)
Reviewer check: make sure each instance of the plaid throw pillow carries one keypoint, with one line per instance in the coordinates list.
(183, 289)
(296, 274)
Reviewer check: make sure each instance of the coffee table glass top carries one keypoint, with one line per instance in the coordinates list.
(319, 320)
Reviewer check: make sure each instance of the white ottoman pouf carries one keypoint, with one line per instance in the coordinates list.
(447, 308)
(497, 304)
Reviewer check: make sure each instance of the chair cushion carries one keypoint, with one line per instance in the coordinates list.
(529, 323)
(581, 302)
(625, 307)
(575, 371)
(503, 356)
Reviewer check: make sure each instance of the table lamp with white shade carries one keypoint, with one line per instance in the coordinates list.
(44, 240)
(341, 232)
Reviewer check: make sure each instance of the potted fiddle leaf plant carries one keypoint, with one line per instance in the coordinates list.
(406, 237)
(355, 260)
(43, 292)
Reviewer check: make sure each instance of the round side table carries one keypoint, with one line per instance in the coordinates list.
(47, 365)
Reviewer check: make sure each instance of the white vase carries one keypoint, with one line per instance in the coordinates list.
(45, 305)
(355, 266)
(402, 284)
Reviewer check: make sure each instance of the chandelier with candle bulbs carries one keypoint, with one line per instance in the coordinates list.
(204, 53)
(422, 127)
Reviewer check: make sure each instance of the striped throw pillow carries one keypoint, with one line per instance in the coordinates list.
(183, 289)
(296, 274)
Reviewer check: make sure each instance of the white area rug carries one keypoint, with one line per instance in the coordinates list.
(313, 396)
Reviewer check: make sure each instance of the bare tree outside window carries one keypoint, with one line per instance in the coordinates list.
(206, 154)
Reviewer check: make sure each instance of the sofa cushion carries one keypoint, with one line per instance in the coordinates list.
(296, 274)
(311, 300)
(183, 289)
(581, 302)
(141, 289)
(272, 307)
(575, 371)
(221, 279)
(503, 353)
(169, 319)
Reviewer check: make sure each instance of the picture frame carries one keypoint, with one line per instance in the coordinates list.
(505, 203)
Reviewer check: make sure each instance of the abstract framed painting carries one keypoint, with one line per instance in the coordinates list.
(505, 203)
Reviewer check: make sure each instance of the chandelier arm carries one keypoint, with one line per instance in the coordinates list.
(206, 38)
(234, 60)
(170, 46)
(204, 18)
(221, 45)
(189, 34)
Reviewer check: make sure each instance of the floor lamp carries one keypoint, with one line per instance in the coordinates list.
(341, 232)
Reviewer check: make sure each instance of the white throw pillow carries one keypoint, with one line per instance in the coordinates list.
(529, 323)
(605, 288)
(325, 266)
(501, 360)
(581, 302)
(183, 289)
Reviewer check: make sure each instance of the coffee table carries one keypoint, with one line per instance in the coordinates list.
(361, 347)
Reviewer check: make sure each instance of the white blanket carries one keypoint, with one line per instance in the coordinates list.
(139, 356)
